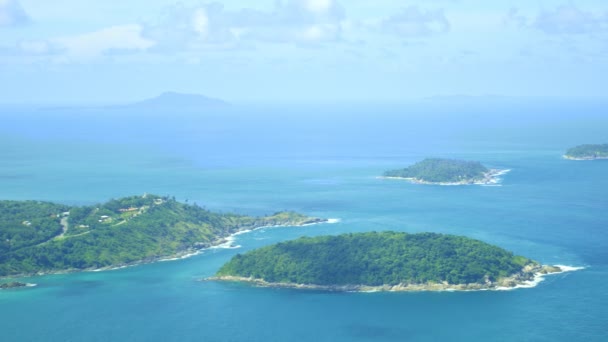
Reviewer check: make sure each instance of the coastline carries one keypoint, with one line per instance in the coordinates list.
(15, 285)
(224, 242)
(583, 158)
(491, 178)
(530, 277)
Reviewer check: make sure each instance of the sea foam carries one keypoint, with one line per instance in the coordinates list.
(539, 278)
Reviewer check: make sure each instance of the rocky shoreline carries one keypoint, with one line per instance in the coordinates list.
(14, 285)
(489, 178)
(583, 158)
(183, 254)
(529, 276)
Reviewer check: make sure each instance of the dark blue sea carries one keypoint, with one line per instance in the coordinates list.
(321, 161)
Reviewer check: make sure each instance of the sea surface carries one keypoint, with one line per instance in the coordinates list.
(321, 161)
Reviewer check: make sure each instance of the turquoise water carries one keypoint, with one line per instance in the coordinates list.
(325, 164)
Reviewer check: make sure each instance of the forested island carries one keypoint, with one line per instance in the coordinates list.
(587, 152)
(40, 237)
(447, 172)
(383, 261)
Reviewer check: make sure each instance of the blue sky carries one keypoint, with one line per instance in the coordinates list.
(91, 51)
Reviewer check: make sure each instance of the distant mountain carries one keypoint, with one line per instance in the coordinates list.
(173, 100)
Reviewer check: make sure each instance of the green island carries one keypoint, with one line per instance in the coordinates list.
(40, 237)
(447, 172)
(384, 261)
(587, 152)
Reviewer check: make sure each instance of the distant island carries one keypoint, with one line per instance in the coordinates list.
(173, 101)
(587, 152)
(42, 237)
(447, 172)
(384, 261)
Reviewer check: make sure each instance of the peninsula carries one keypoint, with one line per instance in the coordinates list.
(41, 237)
(447, 172)
(587, 152)
(384, 261)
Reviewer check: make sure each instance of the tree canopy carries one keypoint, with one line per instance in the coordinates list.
(442, 170)
(43, 237)
(374, 259)
(588, 151)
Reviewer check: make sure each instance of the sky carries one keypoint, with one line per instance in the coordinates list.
(300, 51)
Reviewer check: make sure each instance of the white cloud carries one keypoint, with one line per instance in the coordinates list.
(212, 25)
(89, 45)
(515, 16)
(562, 20)
(35, 47)
(414, 22)
(12, 14)
(200, 22)
(566, 19)
(319, 6)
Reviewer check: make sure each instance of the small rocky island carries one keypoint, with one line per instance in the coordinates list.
(587, 152)
(12, 285)
(447, 172)
(384, 261)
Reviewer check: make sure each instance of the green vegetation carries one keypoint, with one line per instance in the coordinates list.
(45, 237)
(588, 152)
(375, 259)
(442, 171)
(28, 223)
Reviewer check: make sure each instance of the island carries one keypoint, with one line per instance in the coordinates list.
(173, 101)
(447, 172)
(587, 152)
(384, 261)
(41, 237)
(12, 285)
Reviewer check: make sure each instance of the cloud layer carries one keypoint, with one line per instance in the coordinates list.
(211, 24)
(562, 20)
(415, 22)
(12, 14)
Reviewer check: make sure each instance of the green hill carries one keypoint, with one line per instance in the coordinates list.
(588, 152)
(354, 261)
(443, 171)
(40, 237)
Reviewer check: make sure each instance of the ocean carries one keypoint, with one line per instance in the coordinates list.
(322, 161)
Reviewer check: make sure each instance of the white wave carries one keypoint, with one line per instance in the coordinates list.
(502, 172)
(539, 278)
(569, 268)
(333, 220)
(229, 244)
(185, 256)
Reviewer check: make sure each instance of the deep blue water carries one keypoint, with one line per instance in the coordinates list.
(323, 162)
